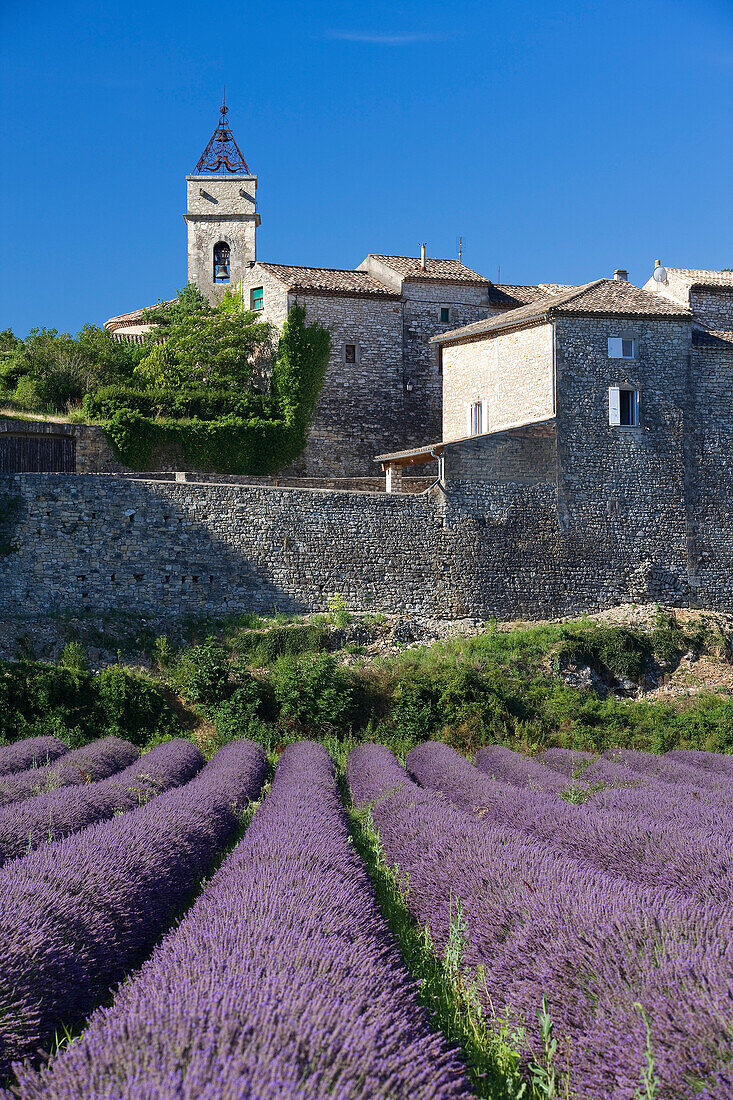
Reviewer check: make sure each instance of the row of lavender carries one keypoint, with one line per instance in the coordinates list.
(77, 914)
(281, 981)
(616, 910)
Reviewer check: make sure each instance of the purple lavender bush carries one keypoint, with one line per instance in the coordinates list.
(34, 752)
(718, 763)
(282, 981)
(48, 817)
(76, 915)
(630, 844)
(671, 770)
(94, 761)
(626, 790)
(607, 953)
(522, 771)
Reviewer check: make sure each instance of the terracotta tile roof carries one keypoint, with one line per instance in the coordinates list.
(328, 280)
(602, 297)
(513, 295)
(133, 318)
(699, 277)
(447, 271)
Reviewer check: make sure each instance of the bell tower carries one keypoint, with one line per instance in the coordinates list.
(221, 214)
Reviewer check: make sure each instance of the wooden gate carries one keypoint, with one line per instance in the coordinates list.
(37, 454)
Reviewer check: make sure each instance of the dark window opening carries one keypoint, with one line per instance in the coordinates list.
(629, 408)
(351, 353)
(221, 262)
(445, 315)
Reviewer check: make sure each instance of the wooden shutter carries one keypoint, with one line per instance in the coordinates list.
(469, 420)
(614, 406)
(484, 416)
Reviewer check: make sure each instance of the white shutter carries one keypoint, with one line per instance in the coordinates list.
(484, 416)
(614, 406)
(615, 347)
(469, 419)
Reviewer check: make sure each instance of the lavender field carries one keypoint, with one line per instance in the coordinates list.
(303, 926)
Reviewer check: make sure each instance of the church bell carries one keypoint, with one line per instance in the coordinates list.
(222, 271)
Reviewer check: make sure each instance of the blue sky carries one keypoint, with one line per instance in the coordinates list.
(562, 140)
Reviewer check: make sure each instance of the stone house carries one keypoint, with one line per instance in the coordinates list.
(383, 385)
(597, 424)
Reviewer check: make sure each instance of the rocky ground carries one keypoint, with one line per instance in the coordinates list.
(129, 639)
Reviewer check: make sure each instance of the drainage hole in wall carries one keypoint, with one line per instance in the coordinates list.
(81, 577)
(211, 580)
(112, 576)
(195, 580)
(138, 576)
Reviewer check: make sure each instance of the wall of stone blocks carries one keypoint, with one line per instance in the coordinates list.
(93, 542)
(361, 410)
(422, 306)
(511, 371)
(713, 308)
(623, 491)
(710, 457)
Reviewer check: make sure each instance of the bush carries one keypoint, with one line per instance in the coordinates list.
(201, 674)
(314, 695)
(38, 699)
(132, 707)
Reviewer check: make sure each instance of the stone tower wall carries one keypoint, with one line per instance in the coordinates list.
(220, 208)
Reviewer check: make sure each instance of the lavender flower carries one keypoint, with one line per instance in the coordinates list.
(632, 844)
(76, 915)
(540, 922)
(34, 752)
(522, 771)
(49, 817)
(282, 981)
(95, 761)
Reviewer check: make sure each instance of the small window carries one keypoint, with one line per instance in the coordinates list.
(621, 347)
(350, 353)
(445, 315)
(477, 419)
(257, 298)
(623, 407)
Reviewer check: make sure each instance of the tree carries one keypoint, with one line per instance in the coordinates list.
(188, 301)
(219, 349)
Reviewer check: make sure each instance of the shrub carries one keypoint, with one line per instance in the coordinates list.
(201, 673)
(132, 707)
(74, 656)
(314, 694)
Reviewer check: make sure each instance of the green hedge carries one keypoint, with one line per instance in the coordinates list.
(204, 404)
(230, 443)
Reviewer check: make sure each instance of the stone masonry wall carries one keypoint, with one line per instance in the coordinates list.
(622, 491)
(710, 440)
(713, 308)
(104, 542)
(512, 372)
(361, 409)
(422, 306)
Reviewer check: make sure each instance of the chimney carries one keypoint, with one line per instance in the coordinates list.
(620, 275)
(422, 256)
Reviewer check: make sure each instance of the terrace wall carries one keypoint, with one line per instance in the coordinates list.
(84, 541)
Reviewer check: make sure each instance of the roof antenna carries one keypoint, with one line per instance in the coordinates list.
(498, 277)
(460, 250)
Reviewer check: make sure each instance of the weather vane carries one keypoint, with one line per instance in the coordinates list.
(222, 153)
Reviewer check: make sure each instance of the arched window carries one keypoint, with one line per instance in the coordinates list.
(221, 262)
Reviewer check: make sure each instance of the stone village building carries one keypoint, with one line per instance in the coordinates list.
(383, 386)
(579, 441)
